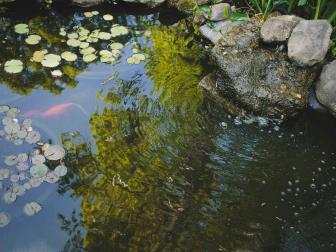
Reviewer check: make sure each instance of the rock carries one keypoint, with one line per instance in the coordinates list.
(326, 87)
(87, 3)
(309, 42)
(216, 32)
(278, 29)
(217, 12)
(259, 80)
(314, 103)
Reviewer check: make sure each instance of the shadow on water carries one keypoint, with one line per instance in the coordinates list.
(164, 168)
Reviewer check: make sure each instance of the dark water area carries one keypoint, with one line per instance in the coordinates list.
(154, 163)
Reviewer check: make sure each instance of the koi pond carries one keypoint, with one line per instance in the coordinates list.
(107, 143)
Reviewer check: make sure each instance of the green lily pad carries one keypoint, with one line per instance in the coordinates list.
(54, 152)
(116, 46)
(83, 32)
(38, 171)
(5, 173)
(33, 137)
(14, 66)
(61, 170)
(62, 32)
(4, 219)
(119, 30)
(51, 60)
(22, 157)
(69, 56)
(9, 197)
(104, 35)
(11, 160)
(89, 57)
(56, 73)
(38, 159)
(38, 56)
(108, 17)
(21, 28)
(73, 35)
(32, 208)
(88, 14)
(84, 45)
(88, 50)
(95, 13)
(73, 42)
(51, 177)
(33, 39)
(4, 108)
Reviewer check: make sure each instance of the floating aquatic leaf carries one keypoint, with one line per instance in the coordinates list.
(14, 178)
(62, 32)
(56, 73)
(51, 60)
(32, 208)
(13, 112)
(22, 166)
(4, 219)
(136, 58)
(38, 56)
(88, 50)
(12, 128)
(4, 108)
(73, 35)
(54, 152)
(104, 35)
(33, 39)
(89, 57)
(95, 13)
(21, 28)
(51, 177)
(5, 173)
(84, 45)
(33, 137)
(118, 30)
(18, 189)
(108, 17)
(2, 133)
(22, 157)
(106, 56)
(61, 170)
(116, 46)
(22, 133)
(35, 182)
(83, 32)
(11, 160)
(88, 14)
(27, 186)
(73, 42)
(139, 56)
(38, 171)
(13, 66)
(38, 159)
(69, 56)
(9, 197)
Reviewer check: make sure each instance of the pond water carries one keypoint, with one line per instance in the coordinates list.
(153, 162)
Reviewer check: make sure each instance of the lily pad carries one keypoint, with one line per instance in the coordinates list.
(38, 159)
(73, 35)
(88, 50)
(116, 46)
(4, 108)
(62, 32)
(9, 197)
(38, 171)
(69, 56)
(33, 39)
(38, 56)
(108, 17)
(13, 66)
(33, 137)
(61, 170)
(119, 30)
(54, 152)
(32, 208)
(83, 32)
(51, 60)
(11, 160)
(88, 14)
(5, 173)
(104, 35)
(84, 45)
(51, 177)
(56, 73)
(4, 219)
(89, 57)
(22, 157)
(73, 42)
(21, 28)
(95, 13)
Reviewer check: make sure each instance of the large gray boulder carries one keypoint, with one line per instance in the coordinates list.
(326, 87)
(262, 81)
(278, 29)
(215, 32)
(309, 42)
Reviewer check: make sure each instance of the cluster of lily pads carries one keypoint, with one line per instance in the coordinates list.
(25, 171)
(78, 38)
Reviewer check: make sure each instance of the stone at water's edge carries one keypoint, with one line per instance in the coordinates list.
(87, 3)
(218, 30)
(217, 12)
(309, 42)
(278, 29)
(326, 87)
(262, 81)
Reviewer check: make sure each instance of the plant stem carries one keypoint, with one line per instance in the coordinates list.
(267, 9)
(317, 11)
